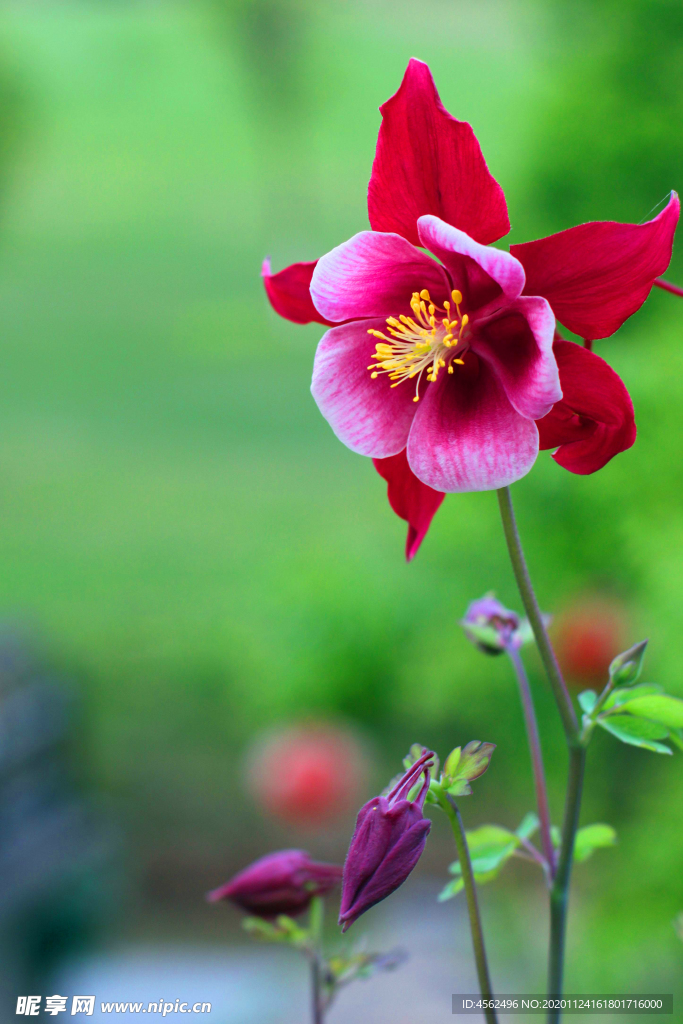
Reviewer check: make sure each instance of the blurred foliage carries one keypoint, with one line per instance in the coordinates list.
(612, 146)
(177, 515)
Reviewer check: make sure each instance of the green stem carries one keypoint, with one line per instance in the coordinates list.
(559, 894)
(560, 890)
(451, 808)
(316, 916)
(533, 612)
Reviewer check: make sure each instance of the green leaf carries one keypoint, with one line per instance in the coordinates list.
(619, 697)
(659, 707)
(588, 699)
(490, 846)
(636, 731)
(676, 736)
(450, 890)
(591, 838)
(284, 929)
(451, 763)
(528, 825)
(490, 835)
(466, 765)
(556, 836)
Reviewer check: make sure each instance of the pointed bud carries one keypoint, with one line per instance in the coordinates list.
(279, 883)
(626, 667)
(387, 843)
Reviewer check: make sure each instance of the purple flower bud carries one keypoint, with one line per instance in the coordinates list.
(490, 626)
(387, 843)
(279, 883)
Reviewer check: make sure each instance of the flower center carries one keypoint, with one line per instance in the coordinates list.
(429, 340)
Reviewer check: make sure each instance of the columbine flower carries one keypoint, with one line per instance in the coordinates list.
(279, 883)
(387, 843)
(474, 429)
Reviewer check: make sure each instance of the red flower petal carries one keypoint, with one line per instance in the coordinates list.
(597, 275)
(466, 436)
(594, 421)
(375, 274)
(410, 498)
(369, 416)
(427, 162)
(518, 345)
(289, 292)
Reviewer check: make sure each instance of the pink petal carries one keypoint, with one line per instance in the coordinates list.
(373, 274)
(596, 275)
(369, 416)
(518, 345)
(480, 272)
(594, 421)
(289, 292)
(410, 499)
(427, 162)
(466, 435)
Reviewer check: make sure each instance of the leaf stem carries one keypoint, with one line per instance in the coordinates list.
(536, 758)
(667, 287)
(451, 808)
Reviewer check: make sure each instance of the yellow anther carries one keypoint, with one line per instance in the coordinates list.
(465, 320)
(417, 398)
(418, 346)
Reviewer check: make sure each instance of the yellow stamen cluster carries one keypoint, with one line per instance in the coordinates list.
(425, 341)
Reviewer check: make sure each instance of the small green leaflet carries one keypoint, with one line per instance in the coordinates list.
(464, 765)
(639, 715)
(490, 847)
(658, 707)
(637, 731)
(588, 839)
(620, 696)
(591, 838)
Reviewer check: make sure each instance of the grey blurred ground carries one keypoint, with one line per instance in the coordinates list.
(254, 984)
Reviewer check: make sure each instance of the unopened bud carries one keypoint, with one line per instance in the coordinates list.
(626, 667)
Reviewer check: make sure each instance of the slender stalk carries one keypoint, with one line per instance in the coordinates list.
(559, 894)
(451, 808)
(315, 927)
(528, 596)
(560, 890)
(536, 758)
(674, 289)
(316, 987)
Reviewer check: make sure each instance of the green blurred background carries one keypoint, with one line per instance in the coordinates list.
(197, 550)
